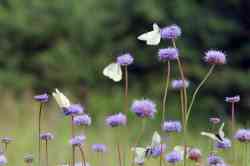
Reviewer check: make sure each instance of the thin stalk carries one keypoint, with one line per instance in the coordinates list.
(197, 90)
(246, 154)
(126, 90)
(83, 156)
(165, 92)
(46, 153)
(233, 125)
(119, 154)
(182, 107)
(72, 134)
(39, 133)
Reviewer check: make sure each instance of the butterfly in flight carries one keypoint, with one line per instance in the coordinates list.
(113, 71)
(219, 137)
(152, 37)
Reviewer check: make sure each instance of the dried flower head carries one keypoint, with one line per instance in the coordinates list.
(144, 108)
(99, 148)
(125, 59)
(194, 154)
(77, 140)
(84, 120)
(215, 57)
(42, 98)
(225, 144)
(171, 126)
(173, 157)
(170, 32)
(214, 120)
(47, 136)
(243, 135)
(167, 54)
(116, 120)
(179, 84)
(6, 140)
(233, 99)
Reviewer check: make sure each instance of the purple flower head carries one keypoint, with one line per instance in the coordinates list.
(215, 57)
(99, 148)
(194, 154)
(6, 140)
(243, 135)
(42, 98)
(158, 150)
(170, 32)
(233, 99)
(47, 136)
(179, 84)
(213, 160)
(125, 59)
(3, 160)
(77, 140)
(28, 159)
(225, 144)
(214, 120)
(144, 108)
(171, 126)
(116, 120)
(73, 109)
(84, 120)
(173, 157)
(167, 54)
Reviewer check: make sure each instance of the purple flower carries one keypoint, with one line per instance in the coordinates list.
(144, 108)
(173, 157)
(28, 158)
(215, 57)
(225, 144)
(77, 140)
(243, 135)
(213, 160)
(99, 148)
(47, 136)
(82, 120)
(125, 59)
(73, 109)
(116, 120)
(42, 98)
(179, 84)
(214, 120)
(170, 32)
(3, 160)
(233, 99)
(167, 54)
(171, 126)
(194, 154)
(158, 150)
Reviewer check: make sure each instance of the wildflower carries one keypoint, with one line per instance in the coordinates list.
(125, 59)
(233, 99)
(171, 126)
(144, 108)
(28, 159)
(171, 32)
(116, 120)
(168, 54)
(43, 98)
(225, 144)
(73, 109)
(194, 154)
(214, 160)
(215, 57)
(47, 136)
(173, 157)
(61, 99)
(158, 150)
(99, 148)
(6, 140)
(214, 120)
(77, 140)
(82, 120)
(243, 135)
(179, 84)
(3, 160)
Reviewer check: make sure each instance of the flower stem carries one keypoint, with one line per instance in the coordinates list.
(119, 154)
(46, 153)
(72, 134)
(233, 125)
(182, 107)
(166, 92)
(126, 90)
(83, 156)
(39, 132)
(197, 90)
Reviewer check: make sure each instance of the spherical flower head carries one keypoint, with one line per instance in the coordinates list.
(233, 99)
(214, 120)
(3, 160)
(77, 140)
(215, 57)
(243, 135)
(173, 157)
(42, 98)
(171, 32)
(73, 110)
(28, 159)
(167, 54)
(84, 120)
(47, 136)
(194, 154)
(125, 59)
(6, 140)
(213, 160)
(116, 120)
(144, 108)
(225, 144)
(99, 148)
(171, 126)
(158, 150)
(179, 84)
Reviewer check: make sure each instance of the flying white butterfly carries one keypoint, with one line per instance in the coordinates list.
(61, 99)
(113, 71)
(181, 150)
(152, 37)
(219, 137)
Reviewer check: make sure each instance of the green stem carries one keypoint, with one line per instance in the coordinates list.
(119, 154)
(197, 90)
(126, 90)
(166, 92)
(83, 156)
(46, 153)
(39, 133)
(72, 134)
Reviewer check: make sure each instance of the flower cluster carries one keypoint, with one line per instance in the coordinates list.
(167, 54)
(84, 120)
(144, 108)
(116, 120)
(125, 59)
(77, 140)
(243, 135)
(179, 84)
(171, 126)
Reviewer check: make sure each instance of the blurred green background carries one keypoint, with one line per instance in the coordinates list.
(65, 44)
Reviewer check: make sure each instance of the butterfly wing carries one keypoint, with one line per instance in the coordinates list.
(153, 37)
(221, 132)
(113, 71)
(210, 135)
(140, 154)
(156, 140)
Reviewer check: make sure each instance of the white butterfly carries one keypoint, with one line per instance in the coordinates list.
(181, 150)
(61, 99)
(152, 37)
(113, 71)
(219, 137)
